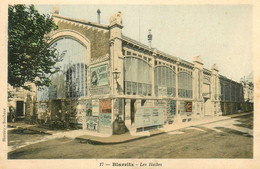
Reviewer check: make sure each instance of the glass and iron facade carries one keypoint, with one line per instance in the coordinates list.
(104, 76)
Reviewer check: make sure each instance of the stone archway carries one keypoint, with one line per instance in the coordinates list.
(68, 33)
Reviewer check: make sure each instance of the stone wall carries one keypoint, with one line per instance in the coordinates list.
(99, 38)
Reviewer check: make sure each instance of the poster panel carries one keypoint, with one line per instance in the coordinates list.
(99, 75)
(92, 123)
(84, 108)
(89, 108)
(105, 120)
(95, 107)
(81, 111)
(162, 91)
(188, 106)
(149, 116)
(105, 106)
(172, 107)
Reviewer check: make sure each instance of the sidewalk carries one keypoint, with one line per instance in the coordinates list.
(127, 137)
(30, 127)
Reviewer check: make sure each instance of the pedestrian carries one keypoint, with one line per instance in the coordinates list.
(12, 114)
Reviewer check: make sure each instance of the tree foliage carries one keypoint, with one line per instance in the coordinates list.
(30, 56)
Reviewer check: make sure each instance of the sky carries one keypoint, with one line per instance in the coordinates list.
(219, 34)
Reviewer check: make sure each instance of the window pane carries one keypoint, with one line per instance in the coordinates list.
(141, 78)
(70, 81)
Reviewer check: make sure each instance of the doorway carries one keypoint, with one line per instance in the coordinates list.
(19, 108)
(56, 109)
(207, 108)
(133, 110)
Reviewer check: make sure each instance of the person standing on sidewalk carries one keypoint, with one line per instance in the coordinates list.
(12, 114)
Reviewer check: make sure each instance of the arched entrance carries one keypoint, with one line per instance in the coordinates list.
(207, 107)
(70, 81)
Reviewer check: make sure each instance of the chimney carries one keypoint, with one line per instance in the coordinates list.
(98, 15)
(55, 9)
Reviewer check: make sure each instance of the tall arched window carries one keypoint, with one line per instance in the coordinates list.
(227, 91)
(164, 81)
(184, 85)
(137, 77)
(70, 81)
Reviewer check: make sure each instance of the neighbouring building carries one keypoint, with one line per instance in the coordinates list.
(19, 99)
(105, 75)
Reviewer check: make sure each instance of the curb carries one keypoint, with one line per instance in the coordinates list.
(95, 142)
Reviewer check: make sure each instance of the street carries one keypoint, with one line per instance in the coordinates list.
(230, 138)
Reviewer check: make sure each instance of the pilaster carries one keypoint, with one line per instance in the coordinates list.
(127, 113)
(152, 73)
(215, 88)
(197, 85)
(116, 56)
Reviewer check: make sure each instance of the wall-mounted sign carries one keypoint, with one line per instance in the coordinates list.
(149, 116)
(95, 107)
(188, 106)
(162, 91)
(99, 75)
(105, 106)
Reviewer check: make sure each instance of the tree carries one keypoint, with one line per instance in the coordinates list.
(30, 56)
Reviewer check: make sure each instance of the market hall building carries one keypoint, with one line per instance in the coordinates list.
(105, 76)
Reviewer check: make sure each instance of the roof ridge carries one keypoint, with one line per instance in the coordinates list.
(158, 51)
(81, 21)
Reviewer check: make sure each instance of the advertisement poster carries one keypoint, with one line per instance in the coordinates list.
(84, 108)
(188, 106)
(105, 106)
(99, 75)
(92, 123)
(149, 116)
(172, 107)
(95, 107)
(89, 108)
(104, 120)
